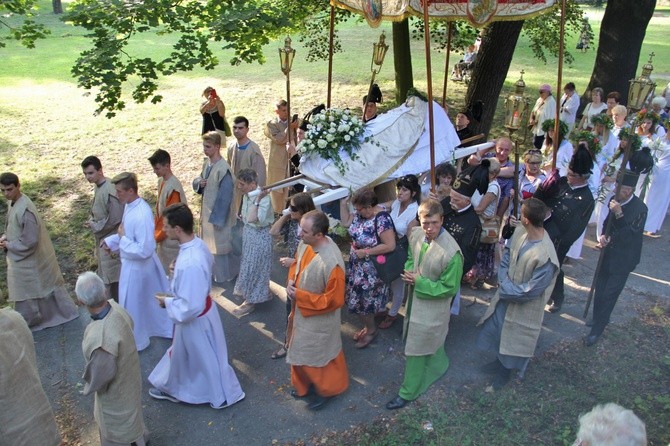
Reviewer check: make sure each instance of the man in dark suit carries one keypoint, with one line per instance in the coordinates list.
(570, 213)
(460, 219)
(623, 248)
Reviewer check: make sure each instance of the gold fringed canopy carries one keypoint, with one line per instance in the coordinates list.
(477, 12)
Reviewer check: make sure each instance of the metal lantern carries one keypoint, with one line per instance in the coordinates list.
(378, 53)
(286, 56)
(641, 88)
(516, 106)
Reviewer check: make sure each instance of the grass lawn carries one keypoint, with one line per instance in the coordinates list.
(49, 128)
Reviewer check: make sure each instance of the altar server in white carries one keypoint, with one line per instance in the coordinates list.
(142, 275)
(195, 368)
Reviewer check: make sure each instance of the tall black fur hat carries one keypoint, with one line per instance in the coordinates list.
(375, 95)
(315, 111)
(582, 161)
(641, 161)
(474, 178)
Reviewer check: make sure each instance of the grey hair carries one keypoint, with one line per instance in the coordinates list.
(90, 289)
(611, 425)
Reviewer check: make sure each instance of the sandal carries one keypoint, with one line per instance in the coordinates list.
(279, 353)
(367, 339)
(387, 322)
(359, 334)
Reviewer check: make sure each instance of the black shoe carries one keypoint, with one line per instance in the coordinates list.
(396, 403)
(554, 308)
(589, 323)
(310, 392)
(492, 367)
(319, 402)
(501, 378)
(591, 340)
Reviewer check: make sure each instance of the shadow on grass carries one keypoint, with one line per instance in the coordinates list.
(630, 366)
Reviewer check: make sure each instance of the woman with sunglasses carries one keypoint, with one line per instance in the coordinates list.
(371, 234)
(288, 226)
(403, 210)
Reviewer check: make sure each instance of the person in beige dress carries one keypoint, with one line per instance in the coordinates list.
(170, 191)
(277, 130)
(34, 279)
(216, 184)
(106, 215)
(26, 418)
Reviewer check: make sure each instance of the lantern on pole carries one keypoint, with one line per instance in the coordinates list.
(379, 50)
(286, 56)
(641, 88)
(516, 107)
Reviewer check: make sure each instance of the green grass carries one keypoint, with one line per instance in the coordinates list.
(544, 409)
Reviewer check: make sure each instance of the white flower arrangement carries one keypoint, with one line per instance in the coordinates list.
(331, 131)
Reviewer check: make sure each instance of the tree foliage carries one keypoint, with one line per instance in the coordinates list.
(243, 26)
(16, 17)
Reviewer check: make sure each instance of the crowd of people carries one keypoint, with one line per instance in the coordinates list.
(156, 271)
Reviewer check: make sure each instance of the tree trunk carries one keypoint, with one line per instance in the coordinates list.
(619, 44)
(493, 61)
(402, 60)
(57, 6)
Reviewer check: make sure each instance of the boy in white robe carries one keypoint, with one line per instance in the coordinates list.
(195, 368)
(142, 275)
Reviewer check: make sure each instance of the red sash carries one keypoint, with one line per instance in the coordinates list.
(208, 305)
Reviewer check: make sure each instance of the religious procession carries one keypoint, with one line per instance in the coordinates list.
(392, 215)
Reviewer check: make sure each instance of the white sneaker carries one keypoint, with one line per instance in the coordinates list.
(243, 310)
(160, 395)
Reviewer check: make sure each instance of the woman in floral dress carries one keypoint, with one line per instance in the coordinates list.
(366, 294)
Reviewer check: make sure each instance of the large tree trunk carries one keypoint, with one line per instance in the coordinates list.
(493, 61)
(57, 6)
(402, 60)
(621, 35)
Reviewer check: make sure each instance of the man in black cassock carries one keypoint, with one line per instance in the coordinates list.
(623, 248)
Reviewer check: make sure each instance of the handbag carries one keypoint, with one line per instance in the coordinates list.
(490, 229)
(226, 127)
(389, 266)
(236, 237)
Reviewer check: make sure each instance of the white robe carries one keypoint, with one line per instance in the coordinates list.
(195, 368)
(658, 196)
(142, 275)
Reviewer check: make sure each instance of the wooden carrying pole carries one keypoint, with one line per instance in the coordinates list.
(561, 51)
(330, 54)
(446, 67)
(429, 80)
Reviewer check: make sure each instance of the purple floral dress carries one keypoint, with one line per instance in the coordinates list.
(366, 293)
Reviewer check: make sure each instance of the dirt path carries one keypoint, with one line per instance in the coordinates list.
(269, 415)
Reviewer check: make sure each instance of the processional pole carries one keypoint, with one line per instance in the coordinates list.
(446, 67)
(561, 51)
(330, 54)
(429, 79)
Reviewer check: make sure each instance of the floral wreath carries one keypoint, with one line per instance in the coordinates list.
(549, 124)
(633, 138)
(602, 119)
(593, 141)
(647, 114)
